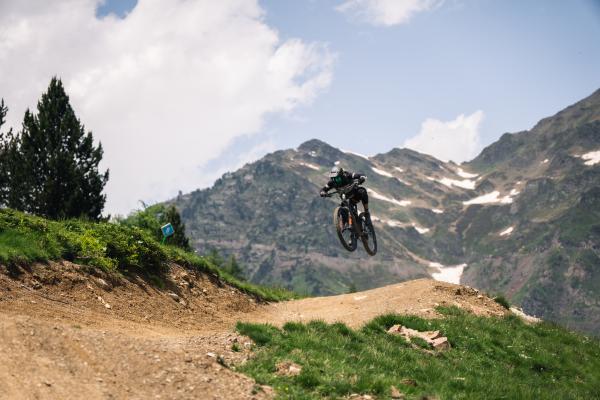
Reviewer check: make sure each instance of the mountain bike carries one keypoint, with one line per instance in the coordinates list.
(350, 225)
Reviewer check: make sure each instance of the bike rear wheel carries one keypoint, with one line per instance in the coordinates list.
(344, 230)
(368, 238)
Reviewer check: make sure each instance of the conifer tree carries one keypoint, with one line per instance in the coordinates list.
(179, 238)
(10, 168)
(3, 112)
(234, 268)
(3, 154)
(58, 173)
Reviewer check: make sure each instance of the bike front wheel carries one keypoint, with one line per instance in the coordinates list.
(345, 232)
(368, 238)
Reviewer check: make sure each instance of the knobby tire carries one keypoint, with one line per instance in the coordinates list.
(369, 240)
(338, 221)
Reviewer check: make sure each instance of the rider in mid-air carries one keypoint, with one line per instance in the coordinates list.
(339, 178)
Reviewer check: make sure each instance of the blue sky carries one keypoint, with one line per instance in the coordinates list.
(517, 61)
(208, 85)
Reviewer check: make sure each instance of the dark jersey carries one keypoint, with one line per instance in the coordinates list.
(340, 181)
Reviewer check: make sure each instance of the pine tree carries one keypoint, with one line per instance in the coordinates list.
(234, 268)
(10, 168)
(3, 155)
(58, 162)
(215, 258)
(178, 238)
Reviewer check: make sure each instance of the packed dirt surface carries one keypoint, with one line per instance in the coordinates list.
(418, 297)
(67, 331)
(66, 334)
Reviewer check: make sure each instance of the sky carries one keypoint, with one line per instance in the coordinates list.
(181, 91)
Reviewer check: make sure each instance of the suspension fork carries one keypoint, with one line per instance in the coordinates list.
(356, 222)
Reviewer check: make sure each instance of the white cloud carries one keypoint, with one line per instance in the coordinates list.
(165, 89)
(386, 12)
(456, 140)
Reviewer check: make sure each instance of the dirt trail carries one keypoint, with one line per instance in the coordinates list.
(418, 297)
(66, 334)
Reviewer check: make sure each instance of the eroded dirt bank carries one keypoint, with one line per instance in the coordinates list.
(65, 334)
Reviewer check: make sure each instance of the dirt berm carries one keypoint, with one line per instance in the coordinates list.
(68, 332)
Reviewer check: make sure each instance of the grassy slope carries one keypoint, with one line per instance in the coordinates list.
(113, 247)
(490, 358)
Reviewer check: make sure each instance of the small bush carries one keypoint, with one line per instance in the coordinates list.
(502, 301)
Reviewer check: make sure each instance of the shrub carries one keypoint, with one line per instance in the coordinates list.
(114, 247)
(502, 301)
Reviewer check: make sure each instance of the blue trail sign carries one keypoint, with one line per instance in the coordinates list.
(167, 230)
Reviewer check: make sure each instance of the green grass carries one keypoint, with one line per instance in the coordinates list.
(490, 358)
(113, 247)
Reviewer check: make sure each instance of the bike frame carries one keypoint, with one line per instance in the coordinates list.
(351, 207)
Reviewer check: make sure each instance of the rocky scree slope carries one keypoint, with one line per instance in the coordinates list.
(550, 261)
(522, 218)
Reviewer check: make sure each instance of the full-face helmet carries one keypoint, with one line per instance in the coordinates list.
(336, 174)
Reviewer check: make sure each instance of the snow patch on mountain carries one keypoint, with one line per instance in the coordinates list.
(356, 154)
(450, 274)
(437, 211)
(389, 175)
(465, 183)
(463, 174)
(507, 231)
(382, 172)
(591, 158)
(398, 169)
(393, 223)
(419, 229)
(311, 166)
(493, 197)
(401, 203)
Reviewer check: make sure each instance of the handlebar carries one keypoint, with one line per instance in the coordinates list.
(345, 189)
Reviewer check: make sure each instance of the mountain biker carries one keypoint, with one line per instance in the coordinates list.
(339, 178)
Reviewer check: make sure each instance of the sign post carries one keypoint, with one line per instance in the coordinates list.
(167, 230)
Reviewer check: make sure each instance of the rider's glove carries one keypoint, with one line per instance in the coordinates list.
(362, 179)
(323, 193)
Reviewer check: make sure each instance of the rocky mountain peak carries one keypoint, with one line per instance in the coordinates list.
(520, 219)
(580, 113)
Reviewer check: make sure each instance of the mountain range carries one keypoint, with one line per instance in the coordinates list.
(522, 219)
